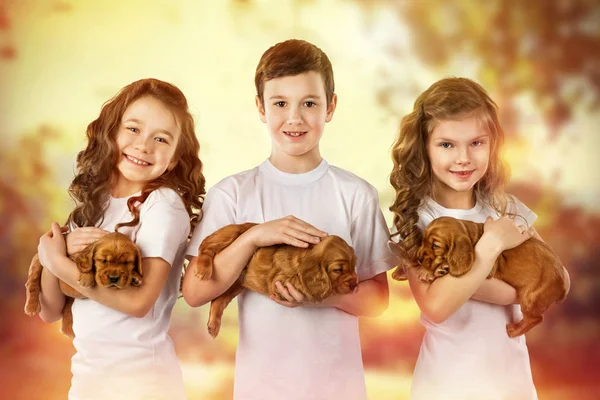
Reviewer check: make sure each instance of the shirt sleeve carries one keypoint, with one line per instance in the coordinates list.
(370, 236)
(522, 211)
(218, 211)
(164, 227)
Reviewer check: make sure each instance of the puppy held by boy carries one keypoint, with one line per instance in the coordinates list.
(113, 261)
(317, 272)
(532, 268)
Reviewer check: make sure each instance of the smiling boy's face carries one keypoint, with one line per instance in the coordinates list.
(295, 110)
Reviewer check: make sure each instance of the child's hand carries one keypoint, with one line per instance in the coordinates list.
(289, 230)
(503, 233)
(52, 246)
(80, 238)
(293, 298)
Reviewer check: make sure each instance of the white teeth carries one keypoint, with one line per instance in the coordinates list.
(294, 134)
(135, 160)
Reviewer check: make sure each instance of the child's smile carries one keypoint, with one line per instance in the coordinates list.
(137, 161)
(147, 139)
(459, 152)
(295, 111)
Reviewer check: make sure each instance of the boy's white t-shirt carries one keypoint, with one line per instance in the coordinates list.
(301, 353)
(123, 357)
(470, 356)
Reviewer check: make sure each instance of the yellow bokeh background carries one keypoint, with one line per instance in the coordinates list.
(61, 60)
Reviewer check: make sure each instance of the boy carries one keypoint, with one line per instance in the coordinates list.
(291, 349)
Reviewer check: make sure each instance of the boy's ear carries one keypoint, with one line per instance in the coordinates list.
(261, 109)
(331, 108)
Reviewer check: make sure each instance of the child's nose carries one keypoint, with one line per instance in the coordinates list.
(294, 116)
(463, 157)
(142, 144)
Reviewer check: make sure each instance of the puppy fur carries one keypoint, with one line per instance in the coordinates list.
(317, 271)
(113, 261)
(532, 268)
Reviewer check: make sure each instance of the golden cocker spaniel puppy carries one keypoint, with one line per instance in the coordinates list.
(111, 261)
(317, 271)
(532, 268)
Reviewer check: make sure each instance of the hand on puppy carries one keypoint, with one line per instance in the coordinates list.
(80, 238)
(52, 246)
(293, 298)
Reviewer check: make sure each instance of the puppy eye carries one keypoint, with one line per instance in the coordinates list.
(435, 246)
(337, 270)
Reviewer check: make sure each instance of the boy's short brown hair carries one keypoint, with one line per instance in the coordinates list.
(293, 57)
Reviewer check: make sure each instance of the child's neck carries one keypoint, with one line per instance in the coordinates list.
(454, 200)
(295, 164)
(123, 189)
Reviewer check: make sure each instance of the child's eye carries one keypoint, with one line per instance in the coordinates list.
(134, 130)
(310, 104)
(477, 143)
(280, 104)
(446, 145)
(161, 140)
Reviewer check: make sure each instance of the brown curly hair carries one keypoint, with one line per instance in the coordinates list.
(411, 177)
(97, 164)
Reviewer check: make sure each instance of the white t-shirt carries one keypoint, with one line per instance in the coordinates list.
(302, 353)
(470, 356)
(123, 357)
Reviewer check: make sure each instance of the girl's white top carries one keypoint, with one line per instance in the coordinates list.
(470, 356)
(123, 357)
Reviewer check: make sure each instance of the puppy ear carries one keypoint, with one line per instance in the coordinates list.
(460, 255)
(315, 278)
(138, 261)
(85, 259)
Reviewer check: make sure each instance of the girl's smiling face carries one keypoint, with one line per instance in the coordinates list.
(459, 152)
(146, 140)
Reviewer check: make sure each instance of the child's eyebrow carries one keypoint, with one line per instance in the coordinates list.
(443, 139)
(308, 96)
(137, 121)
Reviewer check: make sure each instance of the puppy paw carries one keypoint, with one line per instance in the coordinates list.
(512, 330)
(203, 273)
(426, 276)
(203, 267)
(399, 273)
(214, 327)
(136, 279)
(87, 279)
(68, 331)
(33, 308)
(441, 271)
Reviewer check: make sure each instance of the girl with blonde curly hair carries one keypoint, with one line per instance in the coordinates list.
(447, 162)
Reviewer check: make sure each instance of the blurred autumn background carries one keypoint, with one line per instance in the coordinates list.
(540, 61)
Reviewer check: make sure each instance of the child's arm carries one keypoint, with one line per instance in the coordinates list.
(133, 301)
(440, 299)
(370, 300)
(496, 291)
(499, 292)
(229, 263)
(52, 300)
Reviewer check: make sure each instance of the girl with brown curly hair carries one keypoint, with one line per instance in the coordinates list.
(139, 174)
(447, 162)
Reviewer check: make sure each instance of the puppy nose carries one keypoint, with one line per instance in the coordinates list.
(113, 278)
